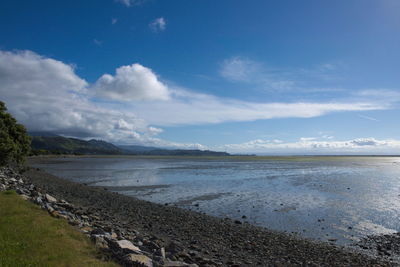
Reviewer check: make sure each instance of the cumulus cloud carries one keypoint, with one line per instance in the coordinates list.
(134, 82)
(159, 24)
(47, 95)
(312, 146)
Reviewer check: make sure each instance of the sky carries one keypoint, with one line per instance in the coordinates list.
(259, 76)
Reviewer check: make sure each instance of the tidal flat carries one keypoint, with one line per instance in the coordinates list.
(339, 199)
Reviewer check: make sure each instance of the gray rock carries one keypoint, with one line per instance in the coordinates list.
(178, 264)
(50, 198)
(99, 241)
(138, 260)
(125, 246)
(49, 208)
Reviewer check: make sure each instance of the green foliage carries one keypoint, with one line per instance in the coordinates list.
(14, 141)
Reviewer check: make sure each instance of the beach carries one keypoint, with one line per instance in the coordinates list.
(192, 237)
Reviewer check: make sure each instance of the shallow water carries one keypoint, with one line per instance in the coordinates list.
(324, 198)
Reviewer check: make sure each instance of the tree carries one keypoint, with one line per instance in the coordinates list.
(15, 143)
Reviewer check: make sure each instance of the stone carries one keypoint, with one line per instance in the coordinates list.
(87, 229)
(49, 208)
(50, 198)
(98, 231)
(99, 241)
(55, 214)
(178, 264)
(138, 260)
(163, 252)
(114, 235)
(126, 245)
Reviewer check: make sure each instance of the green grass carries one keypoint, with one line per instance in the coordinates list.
(30, 237)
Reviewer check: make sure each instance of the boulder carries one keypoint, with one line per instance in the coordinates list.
(125, 245)
(178, 264)
(138, 260)
(50, 198)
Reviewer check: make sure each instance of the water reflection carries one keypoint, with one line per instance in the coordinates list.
(322, 198)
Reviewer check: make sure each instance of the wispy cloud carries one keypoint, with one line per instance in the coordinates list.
(312, 146)
(130, 3)
(367, 118)
(157, 25)
(114, 21)
(205, 109)
(239, 69)
(97, 42)
(245, 70)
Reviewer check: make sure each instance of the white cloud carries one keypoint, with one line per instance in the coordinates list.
(204, 109)
(133, 82)
(114, 21)
(312, 146)
(130, 3)
(239, 69)
(367, 118)
(263, 77)
(159, 24)
(47, 95)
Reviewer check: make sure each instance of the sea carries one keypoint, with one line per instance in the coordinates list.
(332, 198)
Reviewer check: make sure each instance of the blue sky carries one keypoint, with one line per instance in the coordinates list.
(267, 77)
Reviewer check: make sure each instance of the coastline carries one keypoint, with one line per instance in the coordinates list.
(193, 237)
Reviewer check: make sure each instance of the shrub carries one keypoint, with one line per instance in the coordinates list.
(15, 143)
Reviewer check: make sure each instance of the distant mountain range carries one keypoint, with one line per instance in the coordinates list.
(53, 144)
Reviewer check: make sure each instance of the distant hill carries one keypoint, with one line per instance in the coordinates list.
(54, 144)
(183, 152)
(136, 148)
(63, 145)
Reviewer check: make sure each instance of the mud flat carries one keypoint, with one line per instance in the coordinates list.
(171, 234)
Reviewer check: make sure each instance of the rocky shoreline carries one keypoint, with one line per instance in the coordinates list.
(140, 233)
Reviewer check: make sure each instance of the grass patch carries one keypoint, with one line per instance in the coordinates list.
(30, 237)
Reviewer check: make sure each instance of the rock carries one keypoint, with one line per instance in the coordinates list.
(49, 208)
(138, 260)
(99, 241)
(55, 214)
(237, 222)
(114, 235)
(125, 246)
(50, 198)
(98, 231)
(163, 252)
(87, 229)
(169, 263)
(25, 197)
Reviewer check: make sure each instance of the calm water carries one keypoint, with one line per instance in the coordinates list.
(341, 198)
